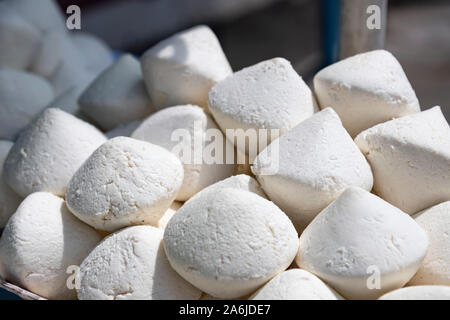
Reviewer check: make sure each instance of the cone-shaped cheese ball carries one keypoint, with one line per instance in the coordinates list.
(9, 200)
(410, 159)
(118, 95)
(96, 53)
(183, 68)
(49, 152)
(366, 89)
(295, 284)
(229, 242)
(268, 95)
(18, 39)
(419, 293)
(359, 242)
(131, 265)
(124, 182)
(435, 269)
(310, 166)
(22, 96)
(41, 240)
(186, 131)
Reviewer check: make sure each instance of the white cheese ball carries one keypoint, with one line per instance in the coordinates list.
(410, 159)
(124, 130)
(268, 95)
(366, 89)
(22, 96)
(229, 242)
(310, 166)
(184, 130)
(183, 68)
(9, 200)
(419, 293)
(124, 182)
(435, 269)
(118, 95)
(358, 238)
(18, 39)
(295, 284)
(41, 240)
(131, 265)
(49, 152)
(96, 53)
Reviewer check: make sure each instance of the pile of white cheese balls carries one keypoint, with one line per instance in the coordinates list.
(359, 207)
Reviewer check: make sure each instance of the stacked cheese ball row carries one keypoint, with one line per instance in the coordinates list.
(115, 207)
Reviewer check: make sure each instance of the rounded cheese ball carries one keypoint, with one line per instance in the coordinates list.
(118, 95)
(131, 265)
(268, 95)
(41, 240)
(183, 68)
(229, 242)
(419, 293)
(358, 238)
(49, 152)
(366, 89)
(124, 182)
(435, 269)
(194, 127)
(310, 166)
(410, 159)
(295, 284)
(22, 97)
(9, 200)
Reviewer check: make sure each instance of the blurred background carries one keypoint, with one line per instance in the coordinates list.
(306, 32)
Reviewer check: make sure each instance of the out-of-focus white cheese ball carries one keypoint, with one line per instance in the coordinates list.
(295, 284)
(410, 159)
(435, 268)
(362, 246)
(9, 200)
(419, 293)
(69, 75)
(18, 39)
(123, 130)
(306, 169)
(366, 89)
(185, 131)
(131, 265)
(183, 68)
(96, 53)
(268, 95)
(49, 151)
(22, 96)
(41, 240)
(124, 182)
(118, 95)
(229, 242)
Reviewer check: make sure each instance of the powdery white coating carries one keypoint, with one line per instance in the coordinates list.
(419, 293)
(295, 284)
(161, 129)
(22, 96)
(317, 161)
(360, 234)
(49, 151)
(365, 90)
(229, 242)
(268, 95)
(9, 200)
(164, 220)
(183, 68)
(41, 240)
(435, 268)
(18, 39)
(118, 95)
(96, 53)
(410, 159)
(124, 182)
(124, 130)
(131, 265)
